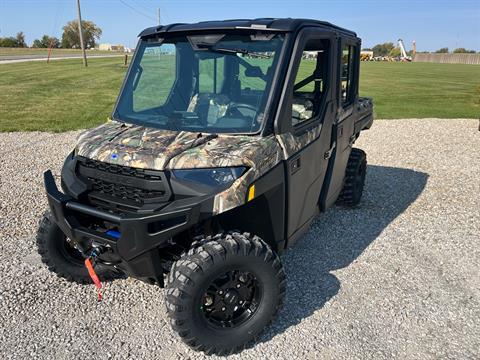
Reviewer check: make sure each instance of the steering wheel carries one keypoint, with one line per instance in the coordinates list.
(233, 109)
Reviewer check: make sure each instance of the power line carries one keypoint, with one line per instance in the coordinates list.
(145, 8)
(166, 18)
(58, 16)
(138, 11)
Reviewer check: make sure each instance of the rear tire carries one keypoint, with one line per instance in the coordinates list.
(225, 292)
(351, 193)
(61, 257)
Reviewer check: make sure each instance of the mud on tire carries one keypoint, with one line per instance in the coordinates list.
(352, 190)
(61, 258)
(208, 283)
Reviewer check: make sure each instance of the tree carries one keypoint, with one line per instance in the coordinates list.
(395, 52)
(71, 38)
(20, 39)
(383, 49)
(17, 41)
(8, 42)
(463, 51)
(37, 44)
(46, 41)
(442, 51)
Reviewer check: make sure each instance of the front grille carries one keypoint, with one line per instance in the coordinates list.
(117, 186)
(121, 170)
(124, 192)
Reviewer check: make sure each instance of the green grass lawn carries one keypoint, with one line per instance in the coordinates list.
(63, 95)
(58, 96)
(420, 90)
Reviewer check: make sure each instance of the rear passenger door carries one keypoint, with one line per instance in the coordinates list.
(343, 128)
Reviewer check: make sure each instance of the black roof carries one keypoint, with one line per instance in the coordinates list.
(262, 24)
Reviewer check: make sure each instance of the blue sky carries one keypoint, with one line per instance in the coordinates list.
(433, 24)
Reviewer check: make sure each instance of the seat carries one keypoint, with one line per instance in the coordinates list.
(302, 109)
(209, 106)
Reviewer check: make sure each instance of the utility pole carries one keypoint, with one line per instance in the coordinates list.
(159, 23)
(80, 32)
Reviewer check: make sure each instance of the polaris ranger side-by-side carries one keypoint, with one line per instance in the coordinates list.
(227, 138)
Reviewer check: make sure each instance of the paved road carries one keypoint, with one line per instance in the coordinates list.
(395, 278)
(24, 58)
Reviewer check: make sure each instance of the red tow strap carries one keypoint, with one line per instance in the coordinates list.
(94, 277)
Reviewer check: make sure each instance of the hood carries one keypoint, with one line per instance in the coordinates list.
(149, 148)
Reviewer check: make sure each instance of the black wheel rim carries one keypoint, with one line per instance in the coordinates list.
(231, 299)
(70, 253)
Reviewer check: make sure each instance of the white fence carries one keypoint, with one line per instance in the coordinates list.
(448, 58)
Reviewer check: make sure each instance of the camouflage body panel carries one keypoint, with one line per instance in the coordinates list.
(259, 154)
(133, 145)
(292, 144)
(149, 148)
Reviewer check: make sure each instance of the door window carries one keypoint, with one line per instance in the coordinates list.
(310, 82)
(347, 72)
(211, 75)
(252, 74)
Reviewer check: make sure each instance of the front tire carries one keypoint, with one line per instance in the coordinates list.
(60, 255)
(225, 292)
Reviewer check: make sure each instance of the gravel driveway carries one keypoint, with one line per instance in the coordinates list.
(396, 277)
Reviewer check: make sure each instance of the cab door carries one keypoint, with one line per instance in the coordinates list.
(343, 127)
(304, 128)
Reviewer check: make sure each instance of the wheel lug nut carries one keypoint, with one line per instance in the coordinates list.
(223, 308)
(238, 285)
(208, 301)
(220, 292)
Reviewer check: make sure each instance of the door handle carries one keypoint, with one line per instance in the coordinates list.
(328, 154)
(295, 165)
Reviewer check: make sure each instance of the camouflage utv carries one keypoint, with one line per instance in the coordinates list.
(227, 139)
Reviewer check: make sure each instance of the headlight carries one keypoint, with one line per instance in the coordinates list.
(211, 176)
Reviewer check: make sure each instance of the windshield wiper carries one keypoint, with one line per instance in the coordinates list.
(202, 139)
(240, 51)
(199, 140)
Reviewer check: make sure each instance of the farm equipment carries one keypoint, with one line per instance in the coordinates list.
(403, 53)
(224, 144)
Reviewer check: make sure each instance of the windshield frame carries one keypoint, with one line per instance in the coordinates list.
(280, 61)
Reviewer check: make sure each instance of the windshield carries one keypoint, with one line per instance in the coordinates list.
(203, 83)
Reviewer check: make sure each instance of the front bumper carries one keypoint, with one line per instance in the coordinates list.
(139, 238)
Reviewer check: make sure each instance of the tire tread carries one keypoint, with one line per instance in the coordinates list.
(346, 197)
(216, 248)
(42, 241)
